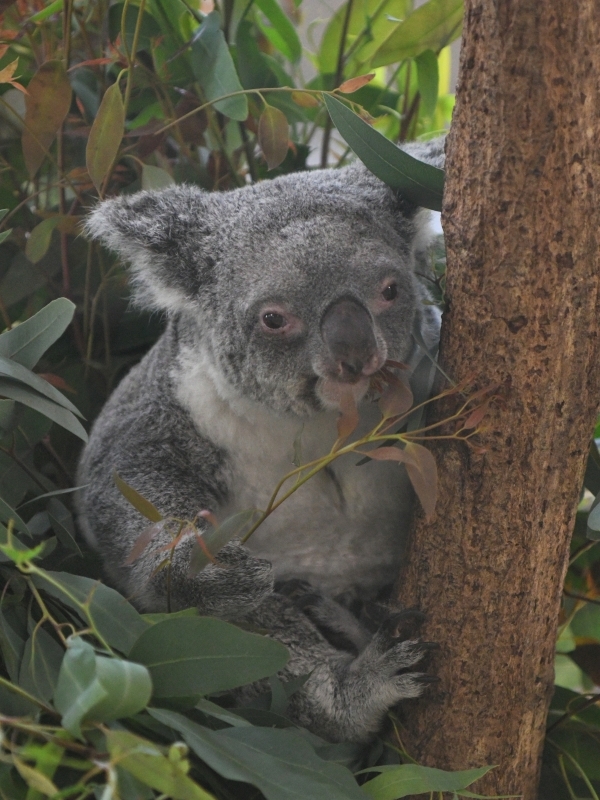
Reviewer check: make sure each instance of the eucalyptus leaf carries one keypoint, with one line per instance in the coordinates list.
(27, 342)
(428, 80)
(144, 760)
(280, 763)
(188, 656)
(57, 413)
(409, 779)
(154, 178)
(98, 687)
(432, 26)
(16, 372)
(40, 665)
(116, 619)
(12, 647)
(420, 183)
(282, 35)
(214, 68)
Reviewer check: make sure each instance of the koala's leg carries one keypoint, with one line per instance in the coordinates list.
(345, 697)
(334, 621)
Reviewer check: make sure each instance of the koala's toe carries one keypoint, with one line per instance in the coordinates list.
(411, 684)
(404, 655)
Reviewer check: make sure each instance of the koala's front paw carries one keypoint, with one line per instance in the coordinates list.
(235, 585)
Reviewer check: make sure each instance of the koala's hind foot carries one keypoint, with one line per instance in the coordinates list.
(346, 697)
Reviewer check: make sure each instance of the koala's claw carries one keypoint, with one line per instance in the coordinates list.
(401, 622)
(426, 677)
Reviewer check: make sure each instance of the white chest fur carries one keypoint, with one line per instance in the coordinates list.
(343, 530)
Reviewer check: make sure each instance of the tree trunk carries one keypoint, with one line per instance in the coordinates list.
(521, 217)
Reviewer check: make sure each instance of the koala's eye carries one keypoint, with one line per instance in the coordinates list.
(274, 321)
(390, 292)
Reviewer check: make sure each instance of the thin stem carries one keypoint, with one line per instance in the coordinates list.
(339, 73)
(131, 57)
(590, 701)
(577, 596)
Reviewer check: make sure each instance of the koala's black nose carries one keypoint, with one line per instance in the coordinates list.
(347, 331)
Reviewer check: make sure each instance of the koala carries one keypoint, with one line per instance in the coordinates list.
(280, 296)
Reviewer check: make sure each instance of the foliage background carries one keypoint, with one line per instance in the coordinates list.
(101, 98)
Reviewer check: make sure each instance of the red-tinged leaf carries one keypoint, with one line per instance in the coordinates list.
(348, 419)
(391, 454)
(105, 136)
(396, 400)
(395, 364)
(305, 100)
(422, 471)
(273, 135)
(476, 416)
(143, 540)
(3, 49)
(204, 549)
(209, 517)
(145, 507)
(56, 381)
(354, 84)
(175, 541)
(46, 106)
(7, 73)
(91, 62)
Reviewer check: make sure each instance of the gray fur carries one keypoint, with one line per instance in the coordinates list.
(208, 419)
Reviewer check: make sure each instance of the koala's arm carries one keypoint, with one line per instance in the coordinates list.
(153, 445)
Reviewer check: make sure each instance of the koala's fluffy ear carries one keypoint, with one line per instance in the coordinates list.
(165, 237)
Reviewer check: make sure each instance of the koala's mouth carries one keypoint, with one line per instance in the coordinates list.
(330, 391)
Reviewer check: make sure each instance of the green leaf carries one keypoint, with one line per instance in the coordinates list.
(16, 372)
(92, 687)
(12, 648)
(7, 513)
(280, 763)
(420, 183)
(39, 239)
(282, 35)
(155, 178)
(586, 622)
(61, 521)
(27, 342)
(40, 665)
(199, 655)
(273, 136)
(57, 413)
(5, 234)
(8, 419)
(145, 507)
(144, 761)
(46, 105)
(408, 779)
(105, 136)
(214, 68)
(34, 779)
(428, 79)
(116, 619)
(432, 26)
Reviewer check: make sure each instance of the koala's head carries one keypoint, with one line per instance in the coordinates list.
(296, 288)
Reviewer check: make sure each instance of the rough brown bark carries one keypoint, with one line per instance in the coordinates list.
(522, 222)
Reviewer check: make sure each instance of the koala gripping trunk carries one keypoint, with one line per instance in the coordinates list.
(521, 216)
